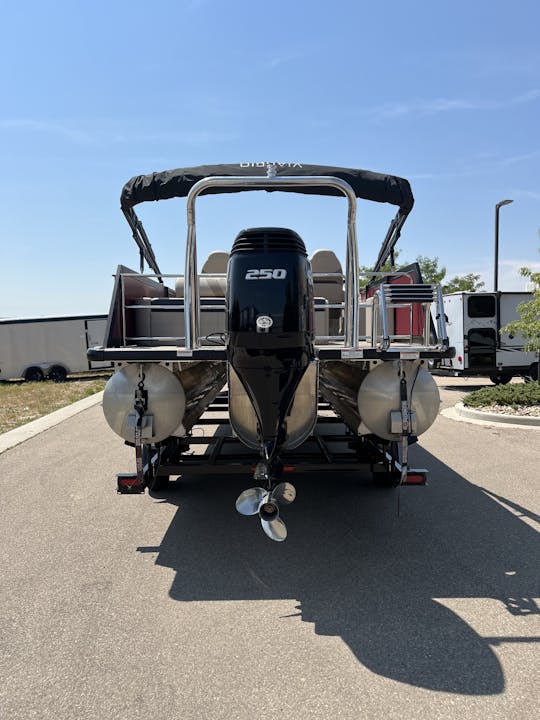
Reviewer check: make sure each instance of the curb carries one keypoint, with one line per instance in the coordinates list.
(489, 417)
(25, 432)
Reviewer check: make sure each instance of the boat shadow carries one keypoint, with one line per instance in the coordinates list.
(360, 572)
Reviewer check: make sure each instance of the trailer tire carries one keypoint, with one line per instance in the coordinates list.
(502, 379)
(57, 374)
(33, 374)
(385, 479)
(155, 483)
(532, 375)
(388, 477)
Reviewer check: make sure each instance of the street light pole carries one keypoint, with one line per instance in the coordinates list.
(498, 206)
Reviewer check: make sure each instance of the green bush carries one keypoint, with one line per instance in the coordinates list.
(514, 395)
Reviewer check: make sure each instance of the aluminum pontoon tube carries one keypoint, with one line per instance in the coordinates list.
(191, 287)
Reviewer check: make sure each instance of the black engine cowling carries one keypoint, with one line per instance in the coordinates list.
(270, 324)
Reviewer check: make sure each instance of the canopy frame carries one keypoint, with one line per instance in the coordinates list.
(287, 177)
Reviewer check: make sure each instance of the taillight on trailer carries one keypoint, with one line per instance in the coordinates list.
(459, 359)
(416, 477)
(128, 484)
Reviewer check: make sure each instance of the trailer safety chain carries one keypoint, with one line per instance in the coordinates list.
(140, 406)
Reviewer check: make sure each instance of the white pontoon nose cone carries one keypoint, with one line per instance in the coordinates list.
(266, 504)
(249, 501)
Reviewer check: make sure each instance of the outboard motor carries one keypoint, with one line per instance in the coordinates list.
(270, 331)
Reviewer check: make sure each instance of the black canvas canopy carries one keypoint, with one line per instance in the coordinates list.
(177, 183)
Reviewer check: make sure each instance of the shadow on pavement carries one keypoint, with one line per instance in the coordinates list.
(361, 573)
(463, 388)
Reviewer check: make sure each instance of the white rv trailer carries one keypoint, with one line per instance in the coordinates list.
(473, 323)
(49, 347)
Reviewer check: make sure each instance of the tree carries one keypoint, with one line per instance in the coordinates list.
(463, 283)
(429, 267)
(431, 273)
(365, 277)
(528, 324)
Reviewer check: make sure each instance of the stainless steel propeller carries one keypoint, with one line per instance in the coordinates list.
(249, 501)
(266, 503)
(284, 493)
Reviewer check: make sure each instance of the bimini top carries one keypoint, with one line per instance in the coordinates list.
(177, 183)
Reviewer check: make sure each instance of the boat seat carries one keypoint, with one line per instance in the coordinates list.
(331, 288)
(215, 263)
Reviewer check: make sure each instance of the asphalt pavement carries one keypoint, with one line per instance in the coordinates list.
(174, 606)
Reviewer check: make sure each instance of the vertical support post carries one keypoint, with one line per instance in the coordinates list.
(352, 288)
(427, 324)
(123, 301)
(191, 286)
(441, 320)
(384, 319)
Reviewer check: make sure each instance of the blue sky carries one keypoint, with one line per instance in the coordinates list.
(446, 94)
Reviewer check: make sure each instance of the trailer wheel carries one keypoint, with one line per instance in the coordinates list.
(387, 475)
(57, 374)
(532, 375)
(502, 379)
(33, 374)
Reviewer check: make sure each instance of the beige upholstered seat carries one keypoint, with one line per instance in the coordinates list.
(331, 288)
(215, 263)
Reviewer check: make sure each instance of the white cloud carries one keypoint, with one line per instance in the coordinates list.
(417, 107)
(527, 97)
(103, 137)
(483, 163)
(509, 279)
(526, 194)
(283, 58)
(194, 5)
(77, 136)
(433, 106)
(194, 137)
(518, 158)
(440, 176)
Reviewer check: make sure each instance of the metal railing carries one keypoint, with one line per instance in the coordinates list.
(387, 297)
(191, 288)
(407, 296)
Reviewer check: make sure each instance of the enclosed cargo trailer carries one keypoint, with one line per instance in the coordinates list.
(49, 347)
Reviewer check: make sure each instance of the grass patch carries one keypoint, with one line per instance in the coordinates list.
(22, 402)
(514, 395)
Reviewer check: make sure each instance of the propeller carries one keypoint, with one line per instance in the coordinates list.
(266, 504)
(249, 501)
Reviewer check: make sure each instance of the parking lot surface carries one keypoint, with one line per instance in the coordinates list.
(175, 606)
